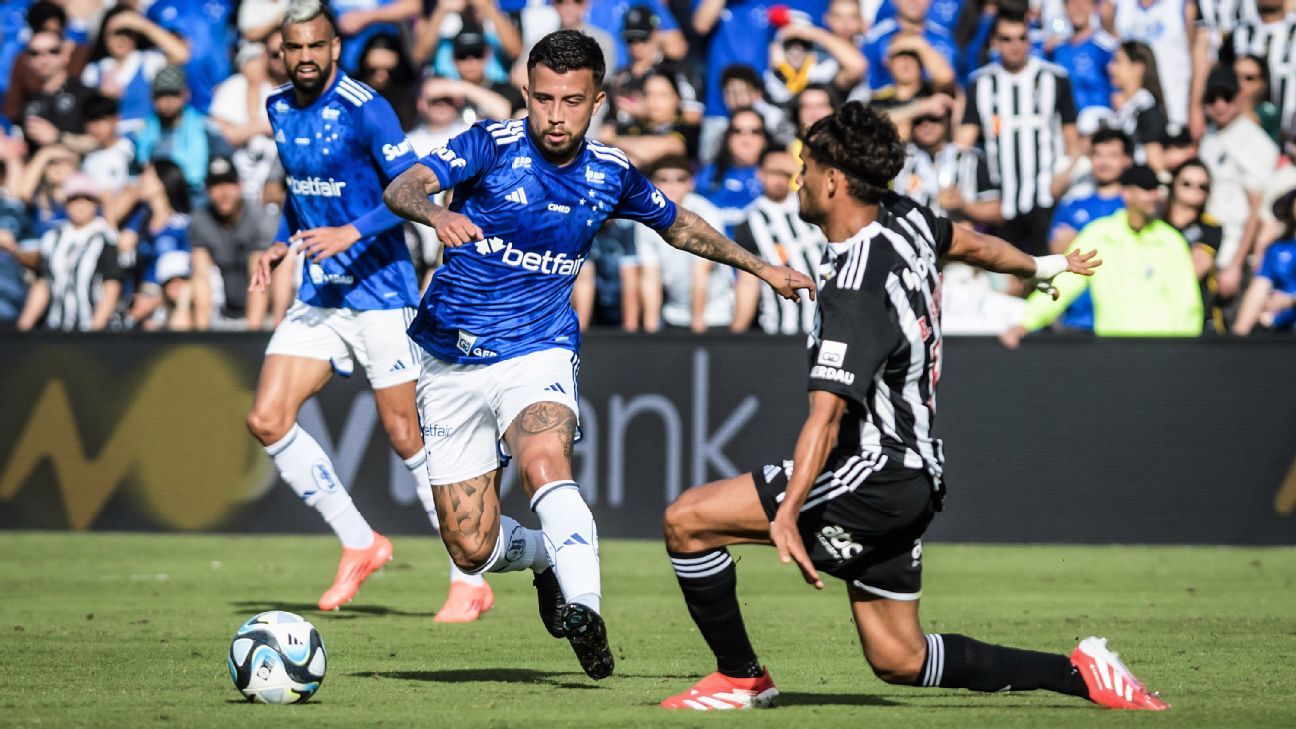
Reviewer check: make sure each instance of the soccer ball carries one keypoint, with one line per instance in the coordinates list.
(277, 658)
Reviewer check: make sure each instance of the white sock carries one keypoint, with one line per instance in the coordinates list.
(417, 465)
(571, 540)
(304, 465)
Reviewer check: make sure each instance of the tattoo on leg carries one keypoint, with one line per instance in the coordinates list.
(464, 527)
(543, 417)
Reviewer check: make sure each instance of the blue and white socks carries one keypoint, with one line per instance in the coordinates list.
(571, 540)
(307, 469)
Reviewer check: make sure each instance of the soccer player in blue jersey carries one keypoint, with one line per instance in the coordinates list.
(340, 144)
(500, 336)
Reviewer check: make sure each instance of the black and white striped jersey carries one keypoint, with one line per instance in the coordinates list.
(924, 175)
(1021, 116)
(775, 232)
(77, 262)
(877, 338)
(1275, 41)
(1225, 15)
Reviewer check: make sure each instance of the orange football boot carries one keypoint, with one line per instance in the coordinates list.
(721, 692)
(465, 603)
(355, 567)
(1110, 682)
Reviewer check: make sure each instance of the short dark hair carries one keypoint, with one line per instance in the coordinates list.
(834, 96)
(99, 106)
(771, 148)
(741, 72)
(861, 142)
(1110, 134)
(672, 162)
(563, 51)
(43, 12)
(1008, 15)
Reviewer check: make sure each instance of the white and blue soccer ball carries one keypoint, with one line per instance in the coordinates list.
(277, 658)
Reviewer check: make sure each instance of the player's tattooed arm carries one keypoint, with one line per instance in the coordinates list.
(410, 196)
(691, 233)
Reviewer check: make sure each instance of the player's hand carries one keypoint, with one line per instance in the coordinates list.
(1048, 268)
(1011, 338)
(455, 230)
(786, 281)
(787, 540)
(1083, 263)
(266, 264)
(320, 243)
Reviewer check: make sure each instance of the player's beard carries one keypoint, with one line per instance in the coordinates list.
(312, 84)
(808, 209)
(563, 153)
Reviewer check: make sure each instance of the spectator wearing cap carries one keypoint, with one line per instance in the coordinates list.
(1177, 147)
(206, 28)
(178, 131)
(51, 110)
(933, 43)
(434, 37)
(611, 16)
(1240, 157)
(111, 162)
(1270, 300)
(127, 55)
(239, 111)
(625, 85)
(803, 53)
(470, 51)
(78, 280)
(1146, 286)
(227, 236)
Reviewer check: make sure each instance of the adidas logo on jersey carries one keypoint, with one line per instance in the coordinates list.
(517, 196)
(279, 136)
(315, 186)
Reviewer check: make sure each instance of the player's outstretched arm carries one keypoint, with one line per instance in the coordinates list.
(1000, 256)
(817, 438)
(691, 233)
(410, 196)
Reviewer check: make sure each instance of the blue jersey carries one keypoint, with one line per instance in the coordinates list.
(732, 194)
(1076, 214)
(339, 153)
(879, 38)
(1086, 63)
(509, 294)
(1279, 267)
(155, 253)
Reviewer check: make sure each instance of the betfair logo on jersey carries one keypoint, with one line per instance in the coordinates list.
(821, 372)
(315, 186)
(392, 151)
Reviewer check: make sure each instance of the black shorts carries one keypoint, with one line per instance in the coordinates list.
(861, 524)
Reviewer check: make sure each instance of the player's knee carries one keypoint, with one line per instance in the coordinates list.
(896, 666)
(268, 427)
(468, 554)
(544, 465)
(677, 526)
(405, 436)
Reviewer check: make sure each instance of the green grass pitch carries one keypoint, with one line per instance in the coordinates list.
(108, 630)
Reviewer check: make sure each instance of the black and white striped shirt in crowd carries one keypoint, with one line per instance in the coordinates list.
(775, 232)
(924, 175)
(1223, 16)
(1277, 42)
(1020, 117)
(1143, 121)
(77, 262)
(877, 339)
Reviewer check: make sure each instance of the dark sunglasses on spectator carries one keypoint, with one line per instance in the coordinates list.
(91, 198)
(38, 52)
(1214, 96)
(1204, 187)
(747, 130)
(564, 2)
(474, 55)
(438, 100)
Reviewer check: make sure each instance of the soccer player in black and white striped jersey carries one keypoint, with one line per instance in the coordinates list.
(1022, 110)
(866, 475)
(1273, 36)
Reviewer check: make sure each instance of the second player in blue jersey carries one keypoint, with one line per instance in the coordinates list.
(500, 335)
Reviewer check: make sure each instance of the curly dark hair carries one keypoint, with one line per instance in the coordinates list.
(568, 50)
(861, 142)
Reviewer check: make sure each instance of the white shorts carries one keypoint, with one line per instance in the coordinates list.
(465, 409)
(375, 338)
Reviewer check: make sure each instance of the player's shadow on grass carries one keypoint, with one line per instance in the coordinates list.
(348, 612)
(483, 675)
(802, 698)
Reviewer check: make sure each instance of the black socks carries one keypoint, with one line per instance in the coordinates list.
(957, 661)
(710, 585)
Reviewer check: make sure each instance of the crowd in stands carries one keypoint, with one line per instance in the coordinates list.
(140, 180)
